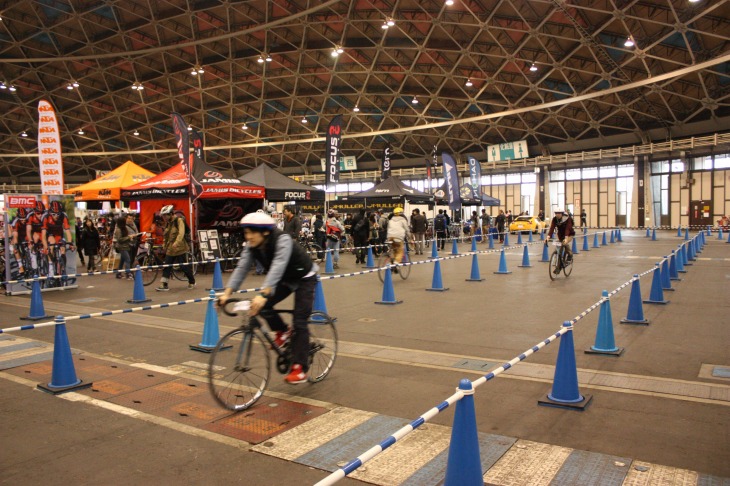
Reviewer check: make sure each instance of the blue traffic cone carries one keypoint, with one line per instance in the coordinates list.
(138, 296)
(719, 233)
(211, 334)
(673, 269)
(585, 230)
(545, 257)
(648, 232)
(491, 241)
(525, 258)
(728, 237)
(618, 237)
(63, 376)
(329, 268)
(464, 465)
(502, 264)
(635, 314)
(388, 291)
(565, 392)
(542, 234)
(595, 241)
(686, 254)
(613, 237)
(473, 244)
(475, 275)
(692, 250)
(437, 284)
(319, 304)
(666, 280)
(37, 311)
(603, 242)
(519, 237)
(653, 234)
(574, 247)
(434, 249)
(680, 260)
(506, 238)
(217, 277)
(370, 261)
(605, 342)
(478, 235)
(656, 296)
(530, 240)
(679, 231)
(454, 247)
(585, 243)
(709, 230)
(686, 233)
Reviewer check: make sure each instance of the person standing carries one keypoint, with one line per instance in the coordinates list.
(486, 221)
(319, 233)
(359, 231)
(134, 242)
(334, 231)
(122, 245)
(501, 219)
(419, 225)
(583, 218)
(292, 223)
(175, 248)
(91, 242)
(440, 226)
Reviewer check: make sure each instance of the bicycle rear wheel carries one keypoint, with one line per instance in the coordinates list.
(239, 370)
(322, 346)
(383, 261)
(404, 270)
(177, 269)
(149, 275)
(554, 262)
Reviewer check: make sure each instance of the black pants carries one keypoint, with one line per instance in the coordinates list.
(441, 239)
(187, 269)
(362, 253)
(303, 301)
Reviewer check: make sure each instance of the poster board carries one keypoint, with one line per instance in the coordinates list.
(210, 247)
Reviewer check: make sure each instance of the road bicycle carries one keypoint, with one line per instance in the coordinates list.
(240, 365)
(314, 250)
(57, 265)
(560, 260)
(149, 258)
(386, 259)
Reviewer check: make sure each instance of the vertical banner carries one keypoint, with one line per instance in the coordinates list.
(49, 150)
(196, 188)
(182, 141)
(475, 174)
(452, 181)
(334, 139)
(385, 166)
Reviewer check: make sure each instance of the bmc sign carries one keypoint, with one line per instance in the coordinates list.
(20, 201)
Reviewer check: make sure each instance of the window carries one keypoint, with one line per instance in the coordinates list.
(572, 174)
(355, 187)
(678, 166)
(626, 170)
(529, 177)
(702, 163)
(498, 179)
(590, 173)
(722, 161)
(608, 172)
(367, 185)
(514, 178)
(660, 167)
(486, 180)
(557, 175)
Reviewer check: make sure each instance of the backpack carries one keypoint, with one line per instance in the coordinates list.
(333, 232)
(187, 229)
(439, 224)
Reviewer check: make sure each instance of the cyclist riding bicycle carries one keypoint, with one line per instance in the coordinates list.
(564, 223)
(289, 270)
(398, 232)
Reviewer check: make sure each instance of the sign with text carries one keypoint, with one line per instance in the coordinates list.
(507, 151)
(348, 162)
(209, 242)
(49, 150)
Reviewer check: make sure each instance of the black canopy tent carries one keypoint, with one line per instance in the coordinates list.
(392, 189)
(466, 197)
(280, 187)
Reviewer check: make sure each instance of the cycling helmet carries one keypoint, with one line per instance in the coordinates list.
(39, 207)
(331, 213)
(22, 213)
(398, 210)
(166, 209)
(559, 210)
(56, 207)
(258, 221)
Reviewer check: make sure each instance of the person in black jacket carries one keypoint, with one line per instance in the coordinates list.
(90, 241)
(360, 233)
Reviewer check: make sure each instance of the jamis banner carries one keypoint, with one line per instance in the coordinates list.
(41, 242)
(224, 213)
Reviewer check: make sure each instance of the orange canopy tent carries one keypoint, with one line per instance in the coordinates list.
(108, 187)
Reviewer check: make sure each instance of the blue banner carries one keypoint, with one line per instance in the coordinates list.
(475, 174)
(452, 181)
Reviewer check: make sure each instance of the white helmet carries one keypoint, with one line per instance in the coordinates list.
(258, 220)
(167, 209)
(560, 210)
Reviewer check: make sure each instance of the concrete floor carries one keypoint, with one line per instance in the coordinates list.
(654, 403)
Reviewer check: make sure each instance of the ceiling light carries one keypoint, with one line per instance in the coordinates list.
(3, 85)
(69, 87)
(391, 22)
(190, 128)
(533, 68)
(137, 87)
(81, 132)
(414, 100)
(245, 127)
(384, 26)
(449, 2)
(337, 50)
(268, 58)
(260, 60)
(629, 42)
(12, 88)
(304, 119)
(136, 133)
(356, 109)
(693, 1)
(75, 84)
(23, 134)
(469, 84)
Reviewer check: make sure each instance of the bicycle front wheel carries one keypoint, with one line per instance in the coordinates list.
(404, 270)
(553, 267)
(239, 369)
(383, 262)
(568, 266)
(322, 346)
(149, 275)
